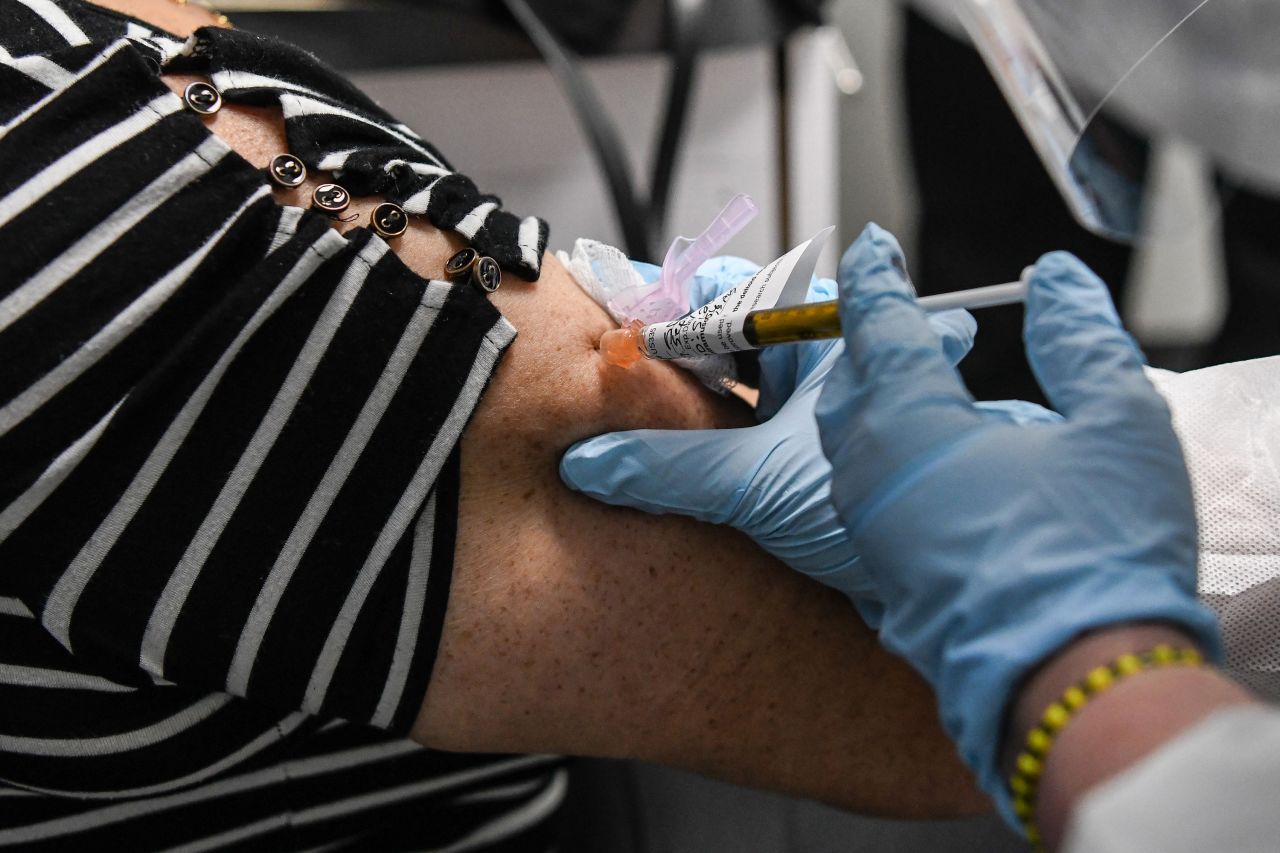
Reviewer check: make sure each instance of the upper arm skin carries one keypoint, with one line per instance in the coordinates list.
(581, 628)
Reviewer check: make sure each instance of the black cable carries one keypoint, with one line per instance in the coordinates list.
(601, 133)
(782, 94)
(685, 22)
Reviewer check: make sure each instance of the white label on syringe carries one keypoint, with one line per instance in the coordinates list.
(717, 326)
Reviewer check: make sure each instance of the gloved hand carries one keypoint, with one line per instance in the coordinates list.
(991, 544)
(771, 481)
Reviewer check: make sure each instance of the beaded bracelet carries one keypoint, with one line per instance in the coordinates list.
(1024, 781)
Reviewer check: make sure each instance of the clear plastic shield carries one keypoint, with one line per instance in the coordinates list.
(1093, 81)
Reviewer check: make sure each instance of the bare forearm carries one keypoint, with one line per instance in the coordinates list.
(1120, 726)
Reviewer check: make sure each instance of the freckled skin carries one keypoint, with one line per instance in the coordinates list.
(580, 628)
(693, 646)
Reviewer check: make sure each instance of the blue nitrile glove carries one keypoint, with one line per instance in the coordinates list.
(991, 544)
(771, 481)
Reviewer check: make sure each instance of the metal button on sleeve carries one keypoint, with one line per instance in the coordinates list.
(202, 98)
(462, 262)
(287, 170)
(331, 199)
(487, 275)
(389, 220)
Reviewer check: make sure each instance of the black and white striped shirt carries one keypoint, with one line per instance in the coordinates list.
(228, 460)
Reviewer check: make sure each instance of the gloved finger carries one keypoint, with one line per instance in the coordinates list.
(956, 329)
(822, 290)
(649, 272)
(895, 353)
(894, 397)
(782, 368)
(689, 472)
(1083, 358)
(870, 609)
(1019, 412)
(788, 370)
(716, 276)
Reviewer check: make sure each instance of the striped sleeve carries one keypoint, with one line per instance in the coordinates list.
(85, 736)
(228, 466)
(228, 435)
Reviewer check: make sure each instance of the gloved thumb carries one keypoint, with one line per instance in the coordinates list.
(716, 276)
(689, 472)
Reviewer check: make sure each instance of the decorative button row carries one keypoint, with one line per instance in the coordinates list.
(485, 272)
(388, 220)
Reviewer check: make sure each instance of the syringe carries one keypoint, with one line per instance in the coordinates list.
(810, 321)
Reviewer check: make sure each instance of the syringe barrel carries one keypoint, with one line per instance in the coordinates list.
(817, 320)
(808, 322)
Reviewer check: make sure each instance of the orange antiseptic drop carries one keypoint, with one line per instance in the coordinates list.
(621, 347)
